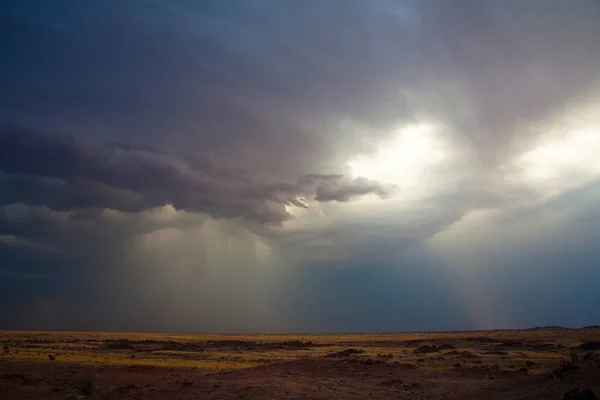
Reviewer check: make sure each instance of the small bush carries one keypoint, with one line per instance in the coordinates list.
(457, 365)
(563, 369)
(574, 357)
(12, 376)
(51, 357)
(85, 385)
(426, 349)
(529, 364)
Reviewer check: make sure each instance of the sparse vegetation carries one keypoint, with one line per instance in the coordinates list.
(331, 361)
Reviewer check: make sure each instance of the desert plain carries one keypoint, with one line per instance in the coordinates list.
(540, 363)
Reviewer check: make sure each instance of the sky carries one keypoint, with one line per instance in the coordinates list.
(299, 166)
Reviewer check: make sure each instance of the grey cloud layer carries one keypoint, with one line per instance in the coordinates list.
(67, 174)
(239, 109)
(236, 78)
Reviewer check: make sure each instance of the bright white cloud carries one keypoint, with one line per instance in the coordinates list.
(564, 156)
(405, 158)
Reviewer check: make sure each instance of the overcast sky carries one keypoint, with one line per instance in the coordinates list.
(313, 166)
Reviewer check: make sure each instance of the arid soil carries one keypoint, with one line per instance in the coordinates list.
(529, 364)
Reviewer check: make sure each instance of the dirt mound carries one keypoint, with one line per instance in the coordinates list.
(544, 346)
(513, 344)
(294, 343)
(119, 345)
(432, 348)
(463, 354)
(414, 341)
(590, 346)
(496, 352)
(252, 345)
(483, 339)
(563, 370)
(345, 353)
(391, 382)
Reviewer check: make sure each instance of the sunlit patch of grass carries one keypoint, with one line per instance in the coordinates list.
(568, 338)
(209, 364)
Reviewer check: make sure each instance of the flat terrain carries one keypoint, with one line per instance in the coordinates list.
(527, 364)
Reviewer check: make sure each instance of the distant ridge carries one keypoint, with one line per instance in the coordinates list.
(548, 327)
(592, 327)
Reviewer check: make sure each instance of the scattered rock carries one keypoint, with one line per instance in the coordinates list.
(564, 369)
(345, 353)
(580, 394)
(428, 348)
(371, 361)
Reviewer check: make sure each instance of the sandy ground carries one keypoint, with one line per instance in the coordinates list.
(482, 365)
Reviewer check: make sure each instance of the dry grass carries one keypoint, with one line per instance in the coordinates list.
(91, 347)
(453, 365)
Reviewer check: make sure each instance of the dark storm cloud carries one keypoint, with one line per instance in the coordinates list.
(236, 78)
(65, 174)
(234, 110)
